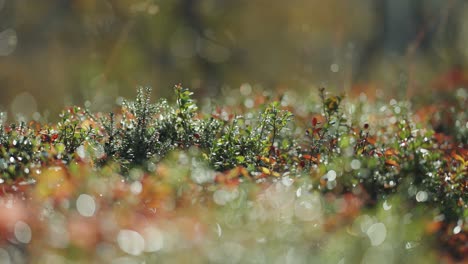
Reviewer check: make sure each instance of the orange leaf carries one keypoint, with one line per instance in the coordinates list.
(372, 140)
(390, 152)
(311, 158)
(458, 157)
(433, 227)
(391, 163)
(243, 171)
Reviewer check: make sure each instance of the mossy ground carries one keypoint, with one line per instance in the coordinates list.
(257, 178)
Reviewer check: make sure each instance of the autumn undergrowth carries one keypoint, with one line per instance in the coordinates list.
(328, 144)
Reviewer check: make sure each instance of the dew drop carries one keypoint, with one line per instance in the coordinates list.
(136, 187)
(249, 103)
(299, 192)
(386, 206)
(364, 222)
(201, 175)
(334, 68)
(85, 205)
(219, 231)
(221, 197)
(245, 89)
(286, 181)
(331, 175)
(131, 242)
(377, 233)
(421, 196)
(410, 245)
(22, 232)
(355, 164)
(8, 42)
(154, 239)
(81, 152)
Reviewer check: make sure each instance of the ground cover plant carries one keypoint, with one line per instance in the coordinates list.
(258, 178)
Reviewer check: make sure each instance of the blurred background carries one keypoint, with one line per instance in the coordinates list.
(62, 52)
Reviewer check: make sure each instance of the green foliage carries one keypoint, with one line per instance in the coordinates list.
(394, 155)
(243, 141)
(149, 131)
(137, 137)
(71, 134)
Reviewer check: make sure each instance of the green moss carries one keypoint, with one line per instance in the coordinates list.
(336, 154)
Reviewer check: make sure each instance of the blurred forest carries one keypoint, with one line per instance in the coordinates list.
(61, 52)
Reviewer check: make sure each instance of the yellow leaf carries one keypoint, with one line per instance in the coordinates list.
(266, 171)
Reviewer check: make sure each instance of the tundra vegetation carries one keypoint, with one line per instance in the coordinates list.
(253, 178)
